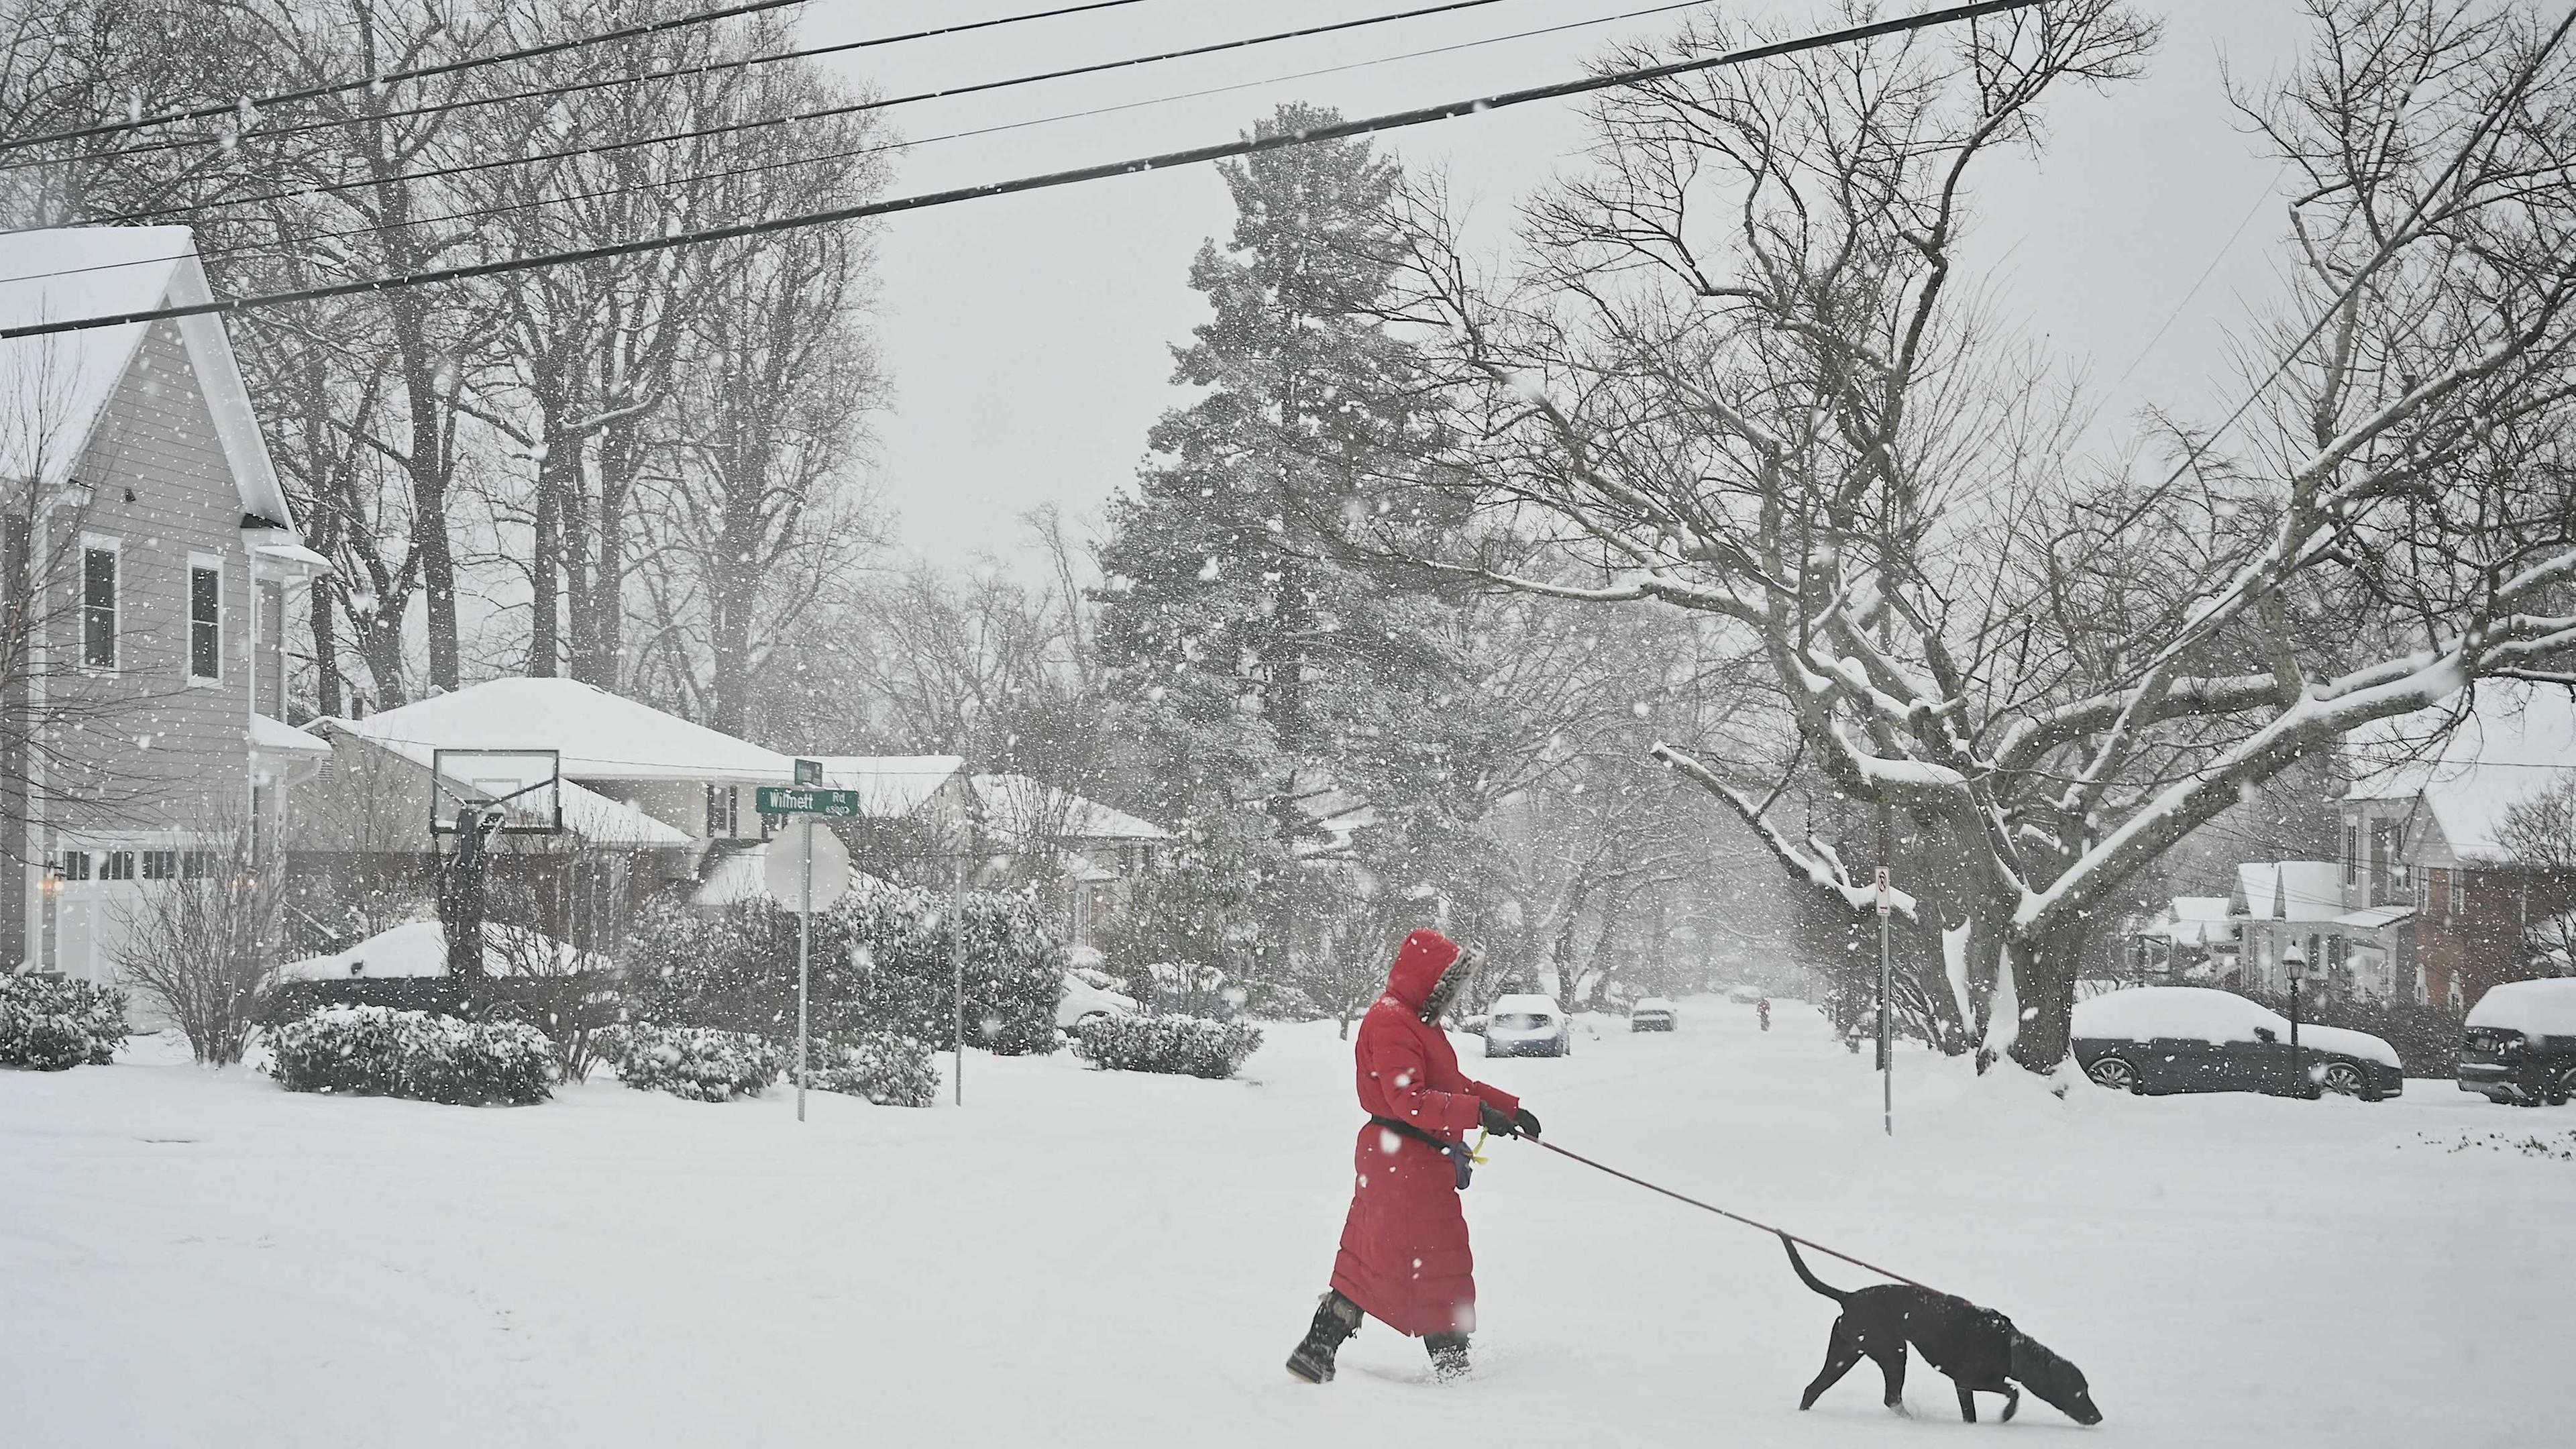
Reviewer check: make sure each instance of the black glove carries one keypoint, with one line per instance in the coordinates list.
(1491, 1118)
(1525, 1124)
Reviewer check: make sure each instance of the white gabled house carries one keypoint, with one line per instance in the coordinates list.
(147, 562)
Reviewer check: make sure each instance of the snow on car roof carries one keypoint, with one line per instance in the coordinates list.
(2200, 1013)
(1525, 1001)
(1652, 1003)
(2539, 1008)
(2347, 1041)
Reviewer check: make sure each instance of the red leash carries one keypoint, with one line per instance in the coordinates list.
(1734, 1217)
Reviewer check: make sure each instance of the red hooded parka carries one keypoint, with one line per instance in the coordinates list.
(1404, 1255)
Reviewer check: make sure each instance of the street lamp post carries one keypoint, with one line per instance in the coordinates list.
(2295, 961)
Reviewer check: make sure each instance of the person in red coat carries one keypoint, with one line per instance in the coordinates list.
(1404, 1258)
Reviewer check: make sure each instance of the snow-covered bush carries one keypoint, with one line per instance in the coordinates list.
(698, 1063)
(1181, 1045)
(377, 1051)
(52, 1023)
(882, 963)
(889, 1070)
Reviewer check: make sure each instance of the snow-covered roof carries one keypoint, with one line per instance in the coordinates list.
(601, 736)
(54, 388)
(2514, 741)
(2291, 890)
(736, 875)
(1026, 808)
(890, 786)
(594, 817)
(2194, 921)
(2374, 917)
(419, 948)
(277, 737)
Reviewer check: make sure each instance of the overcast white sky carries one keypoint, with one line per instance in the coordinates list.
(1029, 336)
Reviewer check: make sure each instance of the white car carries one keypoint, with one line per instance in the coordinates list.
(1088, 996)
(1527, 1026)
(1651, 1013)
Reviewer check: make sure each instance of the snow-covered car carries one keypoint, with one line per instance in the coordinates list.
(1090, 995)
(1744, 995)
(2520, 1043)
(1651, 1013)
(2156, 1039)
(1527, 1026)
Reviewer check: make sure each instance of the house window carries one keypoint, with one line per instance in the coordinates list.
(75, 865)
(160, 865)
(2424, 890)
(2378, 862)
(98, 605)
(116, 865)
(205, 621)
(196, 864)
(2352, 855)
(722, 800)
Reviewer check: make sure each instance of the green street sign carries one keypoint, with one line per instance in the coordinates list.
(791, 800)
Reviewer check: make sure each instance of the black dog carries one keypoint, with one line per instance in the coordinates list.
(1978, 1348)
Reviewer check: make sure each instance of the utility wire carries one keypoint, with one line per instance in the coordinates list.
(708, 67)
(1247, 146)
(870, 150)
(766, 122)
(378, 82)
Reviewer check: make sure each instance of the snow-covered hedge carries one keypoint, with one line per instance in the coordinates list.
(882, 963)
(377, 1051)
(698, 1063)
(1182, 1045)
(52, 1023)
(889, 1070)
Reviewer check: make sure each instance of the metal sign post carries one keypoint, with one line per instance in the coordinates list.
(816, 881)
(1886, 988)
(804, 947)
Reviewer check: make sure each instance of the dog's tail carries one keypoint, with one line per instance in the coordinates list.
(1810, 1279)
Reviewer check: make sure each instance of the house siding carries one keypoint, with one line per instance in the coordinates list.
(145, 750)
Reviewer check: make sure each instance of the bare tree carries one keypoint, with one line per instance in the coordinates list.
(1740, 379)
(201, 940)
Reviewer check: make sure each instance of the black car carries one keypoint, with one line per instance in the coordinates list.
(2520, 1045)
(2157, 1039)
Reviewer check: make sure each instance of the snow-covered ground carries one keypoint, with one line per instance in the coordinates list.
(1086, 1258)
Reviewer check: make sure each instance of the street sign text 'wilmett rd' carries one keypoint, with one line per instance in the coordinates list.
(789, 800)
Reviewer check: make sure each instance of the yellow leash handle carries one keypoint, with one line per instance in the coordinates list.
(1476, 1154)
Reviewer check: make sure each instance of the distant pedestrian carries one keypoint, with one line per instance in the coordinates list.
(1404, 1259)
(1762, 1010)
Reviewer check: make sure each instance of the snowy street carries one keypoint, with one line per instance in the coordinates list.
(1107, 1258)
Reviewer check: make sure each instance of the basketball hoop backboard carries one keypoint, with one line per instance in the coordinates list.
(525, 786)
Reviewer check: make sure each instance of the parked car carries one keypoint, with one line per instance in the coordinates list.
(1088, 996)
(1651, 1013)
(1527, 1026)
(2156, 1039)
(2520, 1043)
(1744, 995)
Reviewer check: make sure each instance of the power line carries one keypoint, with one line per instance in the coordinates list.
(853, 152)
(708, 67)
(1247, 146)
(390, 78)
(766, 122)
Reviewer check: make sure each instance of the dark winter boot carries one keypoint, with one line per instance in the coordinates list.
(1336, 1319)
(1448, 1356)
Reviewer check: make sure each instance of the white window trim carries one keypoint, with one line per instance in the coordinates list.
(188, 611)
(115, 547)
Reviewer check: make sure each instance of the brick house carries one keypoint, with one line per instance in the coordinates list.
(149, 556)
(2422, 852)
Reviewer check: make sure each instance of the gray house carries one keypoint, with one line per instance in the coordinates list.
(148, 557)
